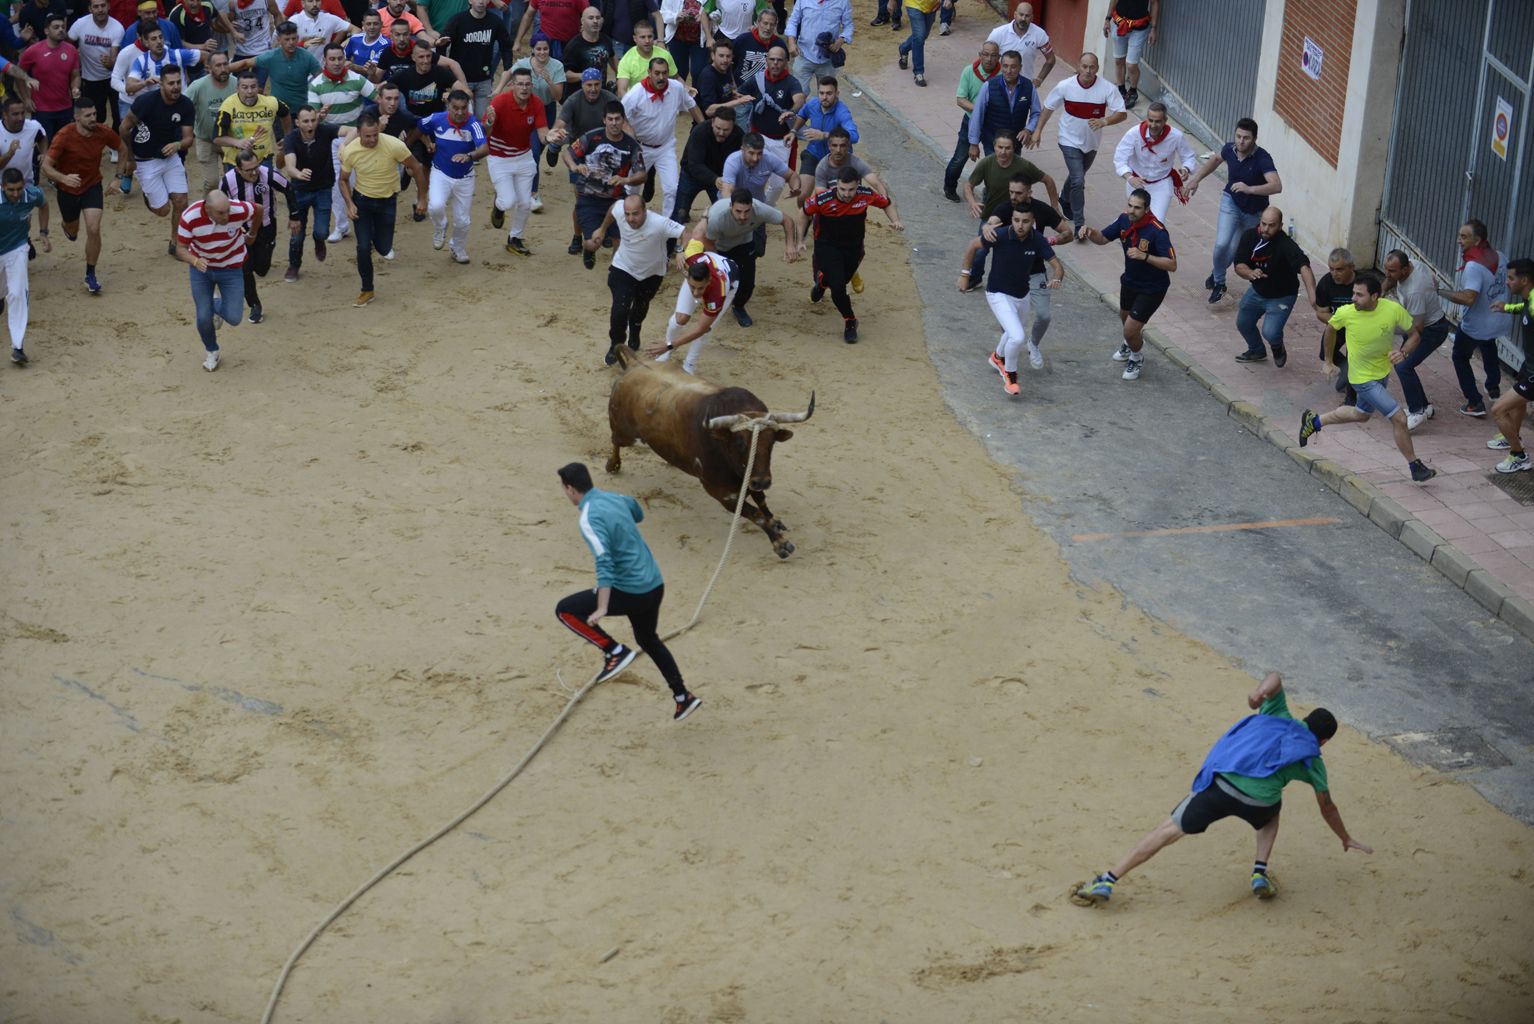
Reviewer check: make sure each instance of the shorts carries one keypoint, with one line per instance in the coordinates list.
(1129, 47)
(1140, 306)
(1523, 387)
(160, 179)
(1200, 810)
(1374, 397)
(808, 162)
(70, 205)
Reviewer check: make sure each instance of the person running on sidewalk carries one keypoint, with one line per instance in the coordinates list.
(638, 268)
(1008, 105)
(913, 50)
(16, 205)
(1020, 252)
(1251, 179)
(629, 583)
(1156, 157)
(73, 164)
(1480, 279)
(1415, 289)
(252, 181)
(1333, 291)
(841, 222)
(1149, 262)
(708, 287)
(730, 227)
(1509, 410)
(1130, 24)
(971, 80)
(210, 239)
(457, 142)
(1087, 104)
(1276, 267)
(1045, 219)
(1244, 776)
(1372, 324)
(1029, 41)
(376, 158)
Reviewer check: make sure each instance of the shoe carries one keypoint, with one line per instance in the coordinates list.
(537, 204)
(998, 365)
(1089, 894)
(575, 245)
(551, 155)
(857, 284)
(611, 358)
(363, 298)
(1421, 473)
(1216, 293)
(438, 238)
(1252, 357)
(1132, 368)
(335, 236)
(125, 183)
(459, 256)
(92, 285)
(895, 25)
(1262, 886)
(905, 62)
(952, 196)
(389, 255)
(1280, 356)
(19, 357)
(1498, 444)
(1123, 354)
(1468, 409)
(942, 28)
(686, 706)
(1310, 424)
(1009, 383)
(880, 19)
(850, 332)
(1035, 357)
(256, 316)
(497, 218)
(1132, 97)
(1514, 463)
(74, 237)
(1416, 419)
(607, 241)
(211, 363)
(620, 659)
(1209, 283)
(170, 250)
(290, 275)
(817, 293)
(588, 259)
(741, 316)
(518, 247)
(320, 251)
(921, 80)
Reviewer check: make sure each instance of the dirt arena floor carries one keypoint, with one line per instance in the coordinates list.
(264, 629)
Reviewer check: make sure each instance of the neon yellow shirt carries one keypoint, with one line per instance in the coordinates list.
(1369, 338)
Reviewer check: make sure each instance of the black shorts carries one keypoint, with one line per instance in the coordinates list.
(808, 162)
(71, 205)
(1524, 387)
(1140, 306)
(1200, 810)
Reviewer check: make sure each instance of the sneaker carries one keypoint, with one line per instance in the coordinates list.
(1416, 419)
(497, 217)
(741, 316)
(880, 19)
(611, 358)
(170, 250)
(998, 365)
(1089, 894)
(518, 247)
(575, 245)
(1514, 463)
(1420, 472)
(537, 203)
(211, 363)
(857, 284)
(1310, 424)
(1009, 383)
(952, 196)
(389, 255)
(1498, 444)
(1216, 293)
(290, 275)
(850, 332)
(817, 293)
(620, 659)
(320, 250)
(438, 237)
(1035, 357)
(551, 156)
(334, 237)
(1252, 357)
(1280, 356)
(363, 298)
(1124, 353)
(588, 259)
(942, 28)
(19, 357)
(905, 61)
(459, 256)
(92, 285)
(1262, 886)
(1132, 97)
(256, 316)
(1132, 368)
(1209, 283)
(686, 706)
(1470, 409)
(125, 183)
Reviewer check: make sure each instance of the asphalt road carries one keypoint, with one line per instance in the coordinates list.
(1352, 618)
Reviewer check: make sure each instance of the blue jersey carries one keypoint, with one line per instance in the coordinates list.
(359, 51)
(451, 140)
(1150, 236)
(16, 219)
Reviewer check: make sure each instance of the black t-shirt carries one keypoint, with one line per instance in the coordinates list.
(1334, 296)
(1279, 260)
(714, 88)
(773, 100)
(388, 60)
(473, 43)
(159, 123)
(36, 15)
(424, 94)
(1044, 216)
(313, 156)
(580, 55)
(751, 54)
(193, 32)
(397, 124)
(1134, 10)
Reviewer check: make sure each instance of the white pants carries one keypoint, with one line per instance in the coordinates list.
(663, 160)
(1012, 313)
(512, 177)
(160, 179)
(685, 306)
(339, 221)
(1161, 192)
(13, 268)
(442, 190)
(779, 148)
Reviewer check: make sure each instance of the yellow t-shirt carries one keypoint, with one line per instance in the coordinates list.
(238, 121)
(377, 168)
(925, 6)
(1369, 338)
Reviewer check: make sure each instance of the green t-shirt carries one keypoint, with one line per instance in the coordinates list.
(207, 96)
(442, 11)
(289, 77)
(636, 65)
(1270, 790)
(969, 84)
(995, 177)
(1370, 336)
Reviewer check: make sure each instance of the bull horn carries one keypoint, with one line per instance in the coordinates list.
(793, 417)
(726, 422)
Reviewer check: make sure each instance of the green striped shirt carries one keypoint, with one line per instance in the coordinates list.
(343, 99)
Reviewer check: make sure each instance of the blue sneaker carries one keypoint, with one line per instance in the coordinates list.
(92, 285)
(1310, 423)
(1262, 886)
(125, 183)
(1089, 894)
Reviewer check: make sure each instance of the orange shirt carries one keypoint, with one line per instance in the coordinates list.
(73, 153)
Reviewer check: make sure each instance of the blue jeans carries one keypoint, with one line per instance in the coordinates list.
(375, 230)
(916, 43)
(538, 147)
(1073, 199)
(1227, 234)
(1433, 336)
(230, 282)
(690, 58)
(1273, 313)
(300, 203)
(1464, 347)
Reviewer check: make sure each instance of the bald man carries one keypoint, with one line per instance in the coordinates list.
(1276, 267)
(210, 239)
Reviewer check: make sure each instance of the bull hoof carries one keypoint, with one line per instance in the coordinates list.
(613, 465)
(785, 549)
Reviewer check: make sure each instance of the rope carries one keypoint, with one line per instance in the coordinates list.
(388, 869)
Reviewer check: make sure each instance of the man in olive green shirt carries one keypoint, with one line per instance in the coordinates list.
(1274, 750)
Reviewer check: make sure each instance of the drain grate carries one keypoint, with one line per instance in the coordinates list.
(1520, 486)
(1448, 750)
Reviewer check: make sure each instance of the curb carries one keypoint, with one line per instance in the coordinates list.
(1457, 567)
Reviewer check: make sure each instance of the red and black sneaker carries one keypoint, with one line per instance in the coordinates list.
(685, 705)
(616, 662)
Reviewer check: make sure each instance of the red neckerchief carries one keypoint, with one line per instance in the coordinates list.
(1150, 145)
(139, 42)
(1483, 254)
(1123, 26)
(781, 75)
(656, 95)
(195, 12)
(334, 78)
(242, 4)
(1131, 237)
(980, 72)
(460, 124)
(764, 42)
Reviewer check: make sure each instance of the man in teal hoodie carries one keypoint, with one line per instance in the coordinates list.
(1244, 777)
(628, 583)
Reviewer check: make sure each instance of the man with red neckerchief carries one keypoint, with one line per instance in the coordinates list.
(652, 110)
(1087, 103)
(971, 80)
(841, 221)
(514, 117)
(751, 48)
(708, 289)
(1156, 157)
(1149, 261)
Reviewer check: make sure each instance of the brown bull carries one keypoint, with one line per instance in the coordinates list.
(702, 429)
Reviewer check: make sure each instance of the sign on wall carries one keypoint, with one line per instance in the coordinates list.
(1310, 58)
(1501, 127)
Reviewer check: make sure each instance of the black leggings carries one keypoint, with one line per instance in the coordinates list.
(642, 611)
(835, 267)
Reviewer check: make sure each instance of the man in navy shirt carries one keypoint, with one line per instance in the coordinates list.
(1252, 179)
(159, 126)
(1149, 262)
(1019, 249)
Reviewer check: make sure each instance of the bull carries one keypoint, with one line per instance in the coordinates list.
(704, 430)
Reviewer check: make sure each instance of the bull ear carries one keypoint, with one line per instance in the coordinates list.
(782, 435)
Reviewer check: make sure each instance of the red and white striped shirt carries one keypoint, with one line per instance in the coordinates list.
(222, 245)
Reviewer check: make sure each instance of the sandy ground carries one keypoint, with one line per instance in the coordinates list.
(264, 629)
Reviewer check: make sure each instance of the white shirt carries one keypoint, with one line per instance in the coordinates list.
(653, 121)
(1078, 105)
(29, 136)
(1032, 45)
(642, 250)
(125, 58)
(322, 26)
(95, 44)
(1152, 165)
(735, 17)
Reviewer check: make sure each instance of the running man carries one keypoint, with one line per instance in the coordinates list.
(1149, 262)
(1372, 324)
(1509, 409)
(160, 126)
(252, 181)
(629, 583)
(1019, 251)
(73, 164)
(512, 120)
(638, 268)
(376, 158)
(708, 289)
(457, 143)
(1156, 157)
(17, 201)
(603, 163)
(841, 221)
(1244, 776)
(210, 239)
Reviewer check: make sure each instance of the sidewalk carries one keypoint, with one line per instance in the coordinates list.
(1464, 525)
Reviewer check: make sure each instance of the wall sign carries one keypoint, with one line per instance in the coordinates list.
(1501, 127)
(1310, 58)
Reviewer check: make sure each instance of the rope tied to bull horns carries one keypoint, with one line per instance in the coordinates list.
(490, 794)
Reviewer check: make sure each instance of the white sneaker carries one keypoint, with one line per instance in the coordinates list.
(537, 204)
(1123, 354)
(1514, 464)
(438, 238)
(211, 363)
(1035, 357)
(459, 256)
(1416, 419)
(1498, 444)
(942, 28)
(1132, 368)
(335, 236)
(389, 255)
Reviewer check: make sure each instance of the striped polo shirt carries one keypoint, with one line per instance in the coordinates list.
(222, 245)
(342, 97)
(261, 193)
